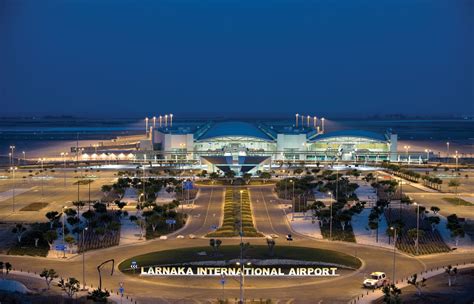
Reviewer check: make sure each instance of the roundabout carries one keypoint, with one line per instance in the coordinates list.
(283, 266)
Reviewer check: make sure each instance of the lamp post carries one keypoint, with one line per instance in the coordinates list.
(241, 253)
(417, 226)
(12, 155)
(171, 120)
(406, 152)
(154, 122)
(14, 186)
(42, 179)
(447, 152)
(394, 250)
(456, 155)
(64, 224)
(315, 122)
(166, 120)
(146, 125)
(64, 154)
(322, 124)
(427, 154)
(24, 157)
(293, 201)
(296, 125)
(330, 217)
(83, 259)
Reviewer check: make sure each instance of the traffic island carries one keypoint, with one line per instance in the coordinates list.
(262, 266)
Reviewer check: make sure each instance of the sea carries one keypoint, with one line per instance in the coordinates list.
(38, 137)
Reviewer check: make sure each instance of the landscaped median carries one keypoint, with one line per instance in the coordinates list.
(234, 212)
(282, 257)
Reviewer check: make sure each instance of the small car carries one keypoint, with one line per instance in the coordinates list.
(192, 236)
(163, 237)
(377, 279)
(180, 236)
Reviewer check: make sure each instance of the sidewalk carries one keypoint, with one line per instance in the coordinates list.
(303, 224)
(364, 235)
(371, 295)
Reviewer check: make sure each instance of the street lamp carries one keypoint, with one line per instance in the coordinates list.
(146, 125)
(394, 250)
(242, 279)
(406, 151)
(13, 169)
(171, 120)
(154, 122)
(166, 120)
(12, 148)
(24, 156)
(322, 124)
(83, 259)
(64, 224)
(456, 155)
(293, 200)
(447, 152)
(64, 154)
(330, 217)
(160, 118)
(241, 252)
(427, 154)
(296, 120)
(417, 225)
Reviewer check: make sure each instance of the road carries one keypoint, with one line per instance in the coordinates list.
(269, 220)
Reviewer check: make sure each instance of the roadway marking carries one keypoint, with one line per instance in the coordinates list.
(207, 210)
(268, 214)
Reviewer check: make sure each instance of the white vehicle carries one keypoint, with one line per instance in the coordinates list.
(377, 279)
(180, 236)
(163, 237)
(192, 236)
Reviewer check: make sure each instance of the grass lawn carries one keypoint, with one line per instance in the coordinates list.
(184, 255)
(457, 201)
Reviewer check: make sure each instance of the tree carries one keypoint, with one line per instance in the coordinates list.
(70, 286)
(50, 236)
(457, 234)
(79, 205)
(19, 230)
(271, 246)
(452, 272)
(153, 220)
(49, 275)
(435, 209)
(69, 239)
(88, 215)
(53, 217)
(99, 296)
(230, 175)
(106, 189)
(213, 176)
(417, 284)
(434, 220)
(454, 183)
(391, 294)
(265, 176)
(414, 233)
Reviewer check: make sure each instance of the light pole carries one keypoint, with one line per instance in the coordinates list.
(241, 253)
(447, 152)
(417, 226)
(154, 122)
(406, 152)
(427, 154)
(64, 224)
(293, 201)
(146, 125)
(14, 186)
(24, 157)
(166, 120)
(394, 250)
(330, 217)
(64, 154)
(160, 119)
(83, 259)
(296, 120)
(456, 155)
(171, 120)
(12, 148)
(42, 179)
(322, 124)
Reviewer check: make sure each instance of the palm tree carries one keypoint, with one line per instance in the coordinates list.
(271, 246)
(454, 183)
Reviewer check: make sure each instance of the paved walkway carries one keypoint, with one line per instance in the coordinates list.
(303, 224)
(366, 236)
(373, 295)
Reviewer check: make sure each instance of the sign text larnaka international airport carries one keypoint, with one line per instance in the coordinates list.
(236, 271)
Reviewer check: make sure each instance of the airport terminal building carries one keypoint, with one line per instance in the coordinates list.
(250, 146)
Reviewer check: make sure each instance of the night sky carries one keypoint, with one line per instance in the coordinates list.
(331, 57)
